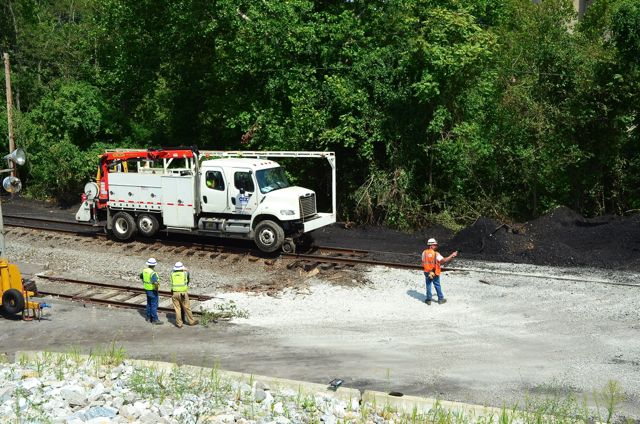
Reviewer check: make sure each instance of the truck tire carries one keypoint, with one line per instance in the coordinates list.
(268, 236)
(148, 224)
(124, 226)
(12, 301)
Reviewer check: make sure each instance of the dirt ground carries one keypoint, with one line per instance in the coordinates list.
(498, 339)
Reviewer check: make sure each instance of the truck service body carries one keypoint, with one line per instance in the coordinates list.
(235, 194)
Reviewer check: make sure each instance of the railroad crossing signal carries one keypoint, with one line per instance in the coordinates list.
(11, 184)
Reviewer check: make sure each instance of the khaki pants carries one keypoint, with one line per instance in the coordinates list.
(181, 303)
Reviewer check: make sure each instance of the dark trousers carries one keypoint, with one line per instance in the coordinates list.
(152, 305)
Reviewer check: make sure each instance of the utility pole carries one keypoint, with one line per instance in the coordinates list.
(7, 78)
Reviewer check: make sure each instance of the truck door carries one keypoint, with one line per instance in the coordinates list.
(213, 191)
(242, 195)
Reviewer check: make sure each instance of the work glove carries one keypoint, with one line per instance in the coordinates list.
(432, 275)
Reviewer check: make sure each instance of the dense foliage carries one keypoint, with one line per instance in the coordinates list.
(437, 109)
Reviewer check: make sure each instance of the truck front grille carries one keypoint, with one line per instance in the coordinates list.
(308, 205)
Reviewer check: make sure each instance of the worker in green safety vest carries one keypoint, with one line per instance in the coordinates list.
(151, 282)
(180, 295)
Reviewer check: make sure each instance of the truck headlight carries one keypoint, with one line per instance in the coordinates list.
(287, 212)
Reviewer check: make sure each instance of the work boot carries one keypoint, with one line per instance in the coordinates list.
(427, 301)
(196, 322)
(179, 325)
(441, 301)
(157, 323)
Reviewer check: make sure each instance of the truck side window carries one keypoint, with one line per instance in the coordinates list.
(214, 180)
(243, 181)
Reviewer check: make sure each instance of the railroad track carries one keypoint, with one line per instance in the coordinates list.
(48, 224)
(111, 294)
(322, 257)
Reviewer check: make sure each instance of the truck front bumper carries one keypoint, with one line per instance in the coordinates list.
(319, 220)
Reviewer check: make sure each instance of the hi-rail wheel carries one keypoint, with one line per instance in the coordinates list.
(124, 226)
(268, 236)
(148, 224)
(288, 246)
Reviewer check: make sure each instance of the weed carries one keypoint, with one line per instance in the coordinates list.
(308, 403)
(222, 311)
(111, 356)
(609, 398)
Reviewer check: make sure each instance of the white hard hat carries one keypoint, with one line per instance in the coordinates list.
(178, 266)
(151, 262)
(431, 242)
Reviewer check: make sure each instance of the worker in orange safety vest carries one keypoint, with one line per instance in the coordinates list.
(431, 261)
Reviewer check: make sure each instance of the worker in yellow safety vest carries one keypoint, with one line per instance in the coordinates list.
(431, 261)
(151, 282)
(180, 295)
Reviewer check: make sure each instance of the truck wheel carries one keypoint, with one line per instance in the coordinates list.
(12, 301)
(288, 246)
(124, 226)
(148, 224)
(268, 236)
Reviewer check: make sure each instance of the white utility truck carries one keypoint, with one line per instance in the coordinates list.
(238, 194)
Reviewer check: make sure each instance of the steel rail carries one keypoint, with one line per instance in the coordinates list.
(349, 261)
(137, 291)
(108, 302)
(140, 290)
(49, 220)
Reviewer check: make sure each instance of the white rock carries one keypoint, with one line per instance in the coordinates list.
(142, 407)
(223, 418)
(268, 400)
(150, 418)
(73, 395)
(117, 402)
(165, 410)
(129, 412)
(30, 383)
(338, 410)
(96, 392)
(6, 392)
(180, 410)
(281, 420)
(53, 403)
(99, 420)
(260, 395)
(329, 419)
(278, 408)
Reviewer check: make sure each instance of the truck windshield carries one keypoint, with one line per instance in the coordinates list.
(271, 179)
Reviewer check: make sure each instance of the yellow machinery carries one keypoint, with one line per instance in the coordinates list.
(16, 293)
